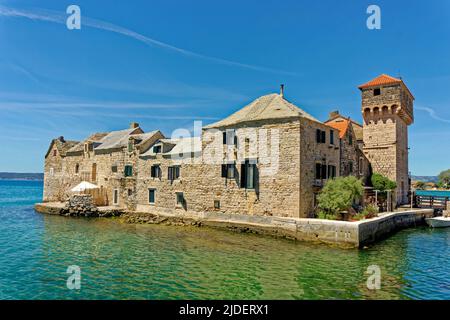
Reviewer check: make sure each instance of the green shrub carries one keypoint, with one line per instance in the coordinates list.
(327, 216)
(338, 195)
(381, 183)
(370, 211)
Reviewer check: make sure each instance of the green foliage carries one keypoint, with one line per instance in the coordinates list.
(370, 211)
(381, 183)
(420, 185)
(327, 216)
(338, 195)
(444, 178)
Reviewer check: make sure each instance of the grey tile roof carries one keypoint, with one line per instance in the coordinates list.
(116, 139)
(79, 147)
(271, 106)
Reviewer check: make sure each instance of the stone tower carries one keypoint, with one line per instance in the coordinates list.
(387, 108)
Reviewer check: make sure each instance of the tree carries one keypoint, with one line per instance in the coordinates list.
(339, 194)
(420, 185)
(382, 183)
(444, 178)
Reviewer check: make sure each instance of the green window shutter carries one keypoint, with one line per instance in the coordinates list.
(128, 171)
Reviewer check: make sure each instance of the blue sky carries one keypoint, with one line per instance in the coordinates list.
(212, 58)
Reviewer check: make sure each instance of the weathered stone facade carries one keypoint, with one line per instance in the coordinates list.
(268, 159)
(387, 107)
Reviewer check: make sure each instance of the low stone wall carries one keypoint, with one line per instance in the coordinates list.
(80, 205)
(379, 228)
(341, 233)
(77, 209)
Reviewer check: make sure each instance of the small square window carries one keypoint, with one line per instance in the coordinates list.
(114, 169)
(180, 199)
(376, 92)
(130, 192)
(157, 149)
(216, 204)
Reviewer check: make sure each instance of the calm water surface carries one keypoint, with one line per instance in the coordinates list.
(120, 261)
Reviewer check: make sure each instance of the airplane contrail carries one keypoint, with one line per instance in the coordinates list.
(58, 17)
(432, 114)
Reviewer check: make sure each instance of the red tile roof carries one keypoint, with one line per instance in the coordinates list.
(380, 80)
(340, 125)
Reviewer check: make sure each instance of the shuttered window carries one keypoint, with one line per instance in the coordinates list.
(324, 172)
(173, 172)
(128, 171)
(249, 175)
(331, 172)
(180, 199)
(155, 171)
(318, 171)
(229, 171)
(229, 137)
(321, 136)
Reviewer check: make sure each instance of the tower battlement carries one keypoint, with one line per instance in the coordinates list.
(387, 109)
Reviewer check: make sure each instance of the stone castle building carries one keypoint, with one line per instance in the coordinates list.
(268, 158)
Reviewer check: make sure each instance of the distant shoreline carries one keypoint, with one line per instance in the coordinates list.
(19, 179)
(19, 176)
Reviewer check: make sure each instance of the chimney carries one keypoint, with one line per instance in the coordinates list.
(61, 138)
(282, 90)
(334, 114)
(134, 125)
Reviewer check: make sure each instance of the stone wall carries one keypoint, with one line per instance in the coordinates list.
(54, 177)
(202, 184)
(386, 120)
(311, 153)
(80, 205)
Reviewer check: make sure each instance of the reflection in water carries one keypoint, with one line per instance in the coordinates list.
(120, 261)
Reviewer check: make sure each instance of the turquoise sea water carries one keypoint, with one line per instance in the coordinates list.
(433, 193)
(120, 261)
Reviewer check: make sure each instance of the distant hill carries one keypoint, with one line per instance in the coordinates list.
(433, 179)
(21, 176)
